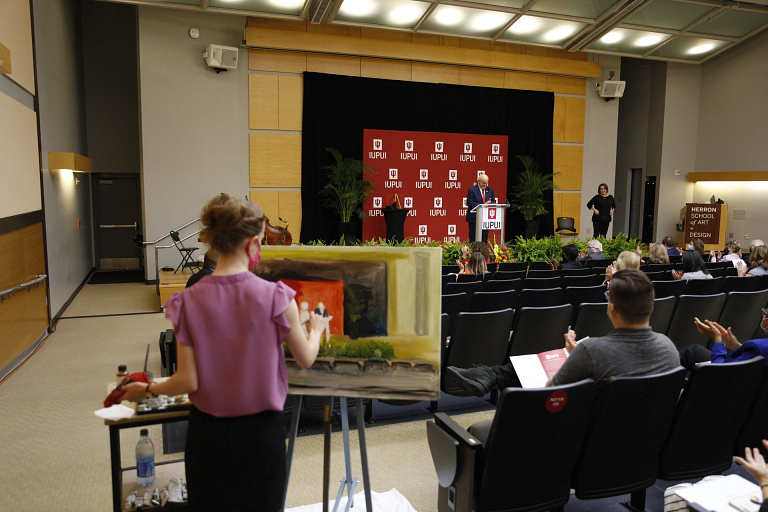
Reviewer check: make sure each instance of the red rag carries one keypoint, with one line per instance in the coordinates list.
(115, 397)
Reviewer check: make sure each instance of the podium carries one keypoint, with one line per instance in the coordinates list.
(490, 217)
(709, 222)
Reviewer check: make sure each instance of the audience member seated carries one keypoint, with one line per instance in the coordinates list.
(754, 462)
(627, 260)
(697, 245)
(669, 243)
(594, 251)
(693, 268)
(570, 259)
(630, 349)
(475, 265)
(209, 265)
(724, 341)
(754, 245)
(657, 253)
(474, 247)
(758, 262)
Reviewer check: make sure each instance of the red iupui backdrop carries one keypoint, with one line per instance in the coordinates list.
(430, 172)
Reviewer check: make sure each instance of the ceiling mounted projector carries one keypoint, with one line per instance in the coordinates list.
(221, 58)
(610, 89)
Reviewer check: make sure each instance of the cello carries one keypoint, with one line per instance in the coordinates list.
(274, 235)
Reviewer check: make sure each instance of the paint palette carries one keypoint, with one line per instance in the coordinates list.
(164, 403)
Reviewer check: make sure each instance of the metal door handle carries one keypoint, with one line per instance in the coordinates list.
(110, 226)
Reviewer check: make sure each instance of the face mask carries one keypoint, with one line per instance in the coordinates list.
(690, 247)
(254, 259)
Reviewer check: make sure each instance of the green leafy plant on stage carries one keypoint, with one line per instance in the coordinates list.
(621, 242)
(452, 252)
(537, 249)
(347, 187)
(528, 193)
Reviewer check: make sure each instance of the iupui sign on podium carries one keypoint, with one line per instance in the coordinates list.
(492, 218)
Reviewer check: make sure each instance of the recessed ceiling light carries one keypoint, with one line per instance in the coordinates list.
(648, 41)
(524, 25)
(357, 7)
(282, 3)
(489, 20)
(405, 14)
(702, 48)
(449, 16)
(612, 37)
(559, 33)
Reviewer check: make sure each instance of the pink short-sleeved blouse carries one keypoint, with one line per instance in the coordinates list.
(236, 325)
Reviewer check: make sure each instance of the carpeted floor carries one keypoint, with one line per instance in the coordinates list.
(117, 276)
(114, 299)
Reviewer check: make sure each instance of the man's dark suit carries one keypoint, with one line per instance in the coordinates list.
(474, 198)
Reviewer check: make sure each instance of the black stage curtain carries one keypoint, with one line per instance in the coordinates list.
(338, 108)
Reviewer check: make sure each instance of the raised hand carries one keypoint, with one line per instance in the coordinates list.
(754, 462)
(729, 339)
(677, 275)
(708, 329)
(570, 340)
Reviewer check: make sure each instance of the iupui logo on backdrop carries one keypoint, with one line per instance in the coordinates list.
(423, 179)
(422, 238)
(451, 234)
(378, 152)
(464, 202)
(479, 173)
(463, 209)
(451, 229)
(438, 154)
(467, 156)
(378, 202)
(392, 181)
(409, 154)
(495, 155)
(453, 177)
(438, 210)
(407, 202)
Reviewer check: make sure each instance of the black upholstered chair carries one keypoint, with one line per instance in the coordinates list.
(540, 298)
(583, 280)
(575, 272)
(469, 278)
(185, 252)
(659, 276)
(755, 429)
(510, 266)
(468, 288)
(541, 283)
(521, 466)
(543, 273)
(505, 275)
(742, 312)
(538, 265)
(663, 308)
(739, 284)
(704, 286)
(540, 329)
(493, 301)
(709, 416)
(634, 413)
(592, 320)
(450, 269)
(669, 288)
(503, 285)
(452, 305)
(682, 330)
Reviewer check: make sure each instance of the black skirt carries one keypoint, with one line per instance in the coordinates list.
(237, 463)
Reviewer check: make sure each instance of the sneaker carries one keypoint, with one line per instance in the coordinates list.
(475, 381)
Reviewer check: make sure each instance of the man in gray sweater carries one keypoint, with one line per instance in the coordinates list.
(630, 349)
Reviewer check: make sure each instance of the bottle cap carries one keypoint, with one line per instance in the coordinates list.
(122, 368)
(144, 432)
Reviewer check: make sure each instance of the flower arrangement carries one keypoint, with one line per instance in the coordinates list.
(502, 253)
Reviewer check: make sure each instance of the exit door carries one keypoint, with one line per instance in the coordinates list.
(116, 217)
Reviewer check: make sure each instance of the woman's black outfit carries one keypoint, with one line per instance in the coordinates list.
(601, 221)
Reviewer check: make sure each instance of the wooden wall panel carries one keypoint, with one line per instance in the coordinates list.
(558, 121)
(571, 207)
(566, 85)
(333, 64)
(23, 319)
(386, 35)
(481, 77)
(569, 162)
(386, 69)
(275, 160)
(277, 24)
(538, 51)
(24, 247)
(272, 60)
(290, 210)
(434, 73)
(574, 119)
(269, 202)
(291, 100)
(263, 102)
(525, 81)
(565, 54)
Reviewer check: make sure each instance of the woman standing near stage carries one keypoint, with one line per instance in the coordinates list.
(230, 327)
(602, 206)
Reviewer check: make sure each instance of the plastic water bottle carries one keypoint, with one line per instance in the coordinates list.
(145, 459)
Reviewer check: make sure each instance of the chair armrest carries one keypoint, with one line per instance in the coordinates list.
(458, 433)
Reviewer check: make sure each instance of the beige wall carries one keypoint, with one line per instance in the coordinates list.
(19, 164)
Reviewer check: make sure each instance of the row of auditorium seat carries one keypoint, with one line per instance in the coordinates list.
(602, 441)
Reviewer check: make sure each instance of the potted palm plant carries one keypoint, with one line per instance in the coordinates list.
(529, 194)
(345, 191)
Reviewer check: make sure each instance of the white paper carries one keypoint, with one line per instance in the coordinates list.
(391, 501)
(529, 371)
(115, 413)
(715, 494)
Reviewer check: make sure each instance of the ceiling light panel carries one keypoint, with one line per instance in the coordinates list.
(690, 48)
(287, 7)
(182, 2)
(392, 13)
(532, 29)
(629, 41)
(668, 14)
(513, 4)
(732, 23)
(579, 8)
(466, 21)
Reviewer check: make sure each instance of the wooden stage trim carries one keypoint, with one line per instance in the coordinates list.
(170, 283)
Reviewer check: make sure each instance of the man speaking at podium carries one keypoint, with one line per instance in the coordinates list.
(478, 194)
